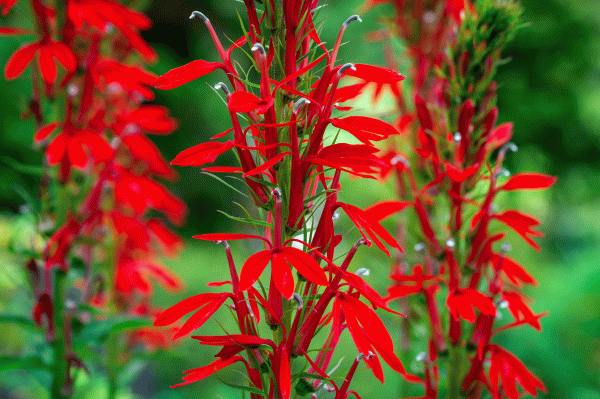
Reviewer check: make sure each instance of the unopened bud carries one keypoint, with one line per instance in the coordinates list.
(198, 14)
(352, 18)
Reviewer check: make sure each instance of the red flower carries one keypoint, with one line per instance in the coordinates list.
(522, 224)
(47, 51)
(184, 74)
(370, 228)
(364, 128)
(507, 368)
(99, 13)
(461, 301)
(205, 306)
(368, 333)
(281, 259)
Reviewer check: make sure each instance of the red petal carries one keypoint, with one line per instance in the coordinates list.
(64, 55)
(202, 153)
(176, 312)
(271, 162)
(203, 372)
(305, 264)
(44, 132)
(282, 275)
(500, 136)
(528, 181)
(385, 209)
(181, 75)
(242, 101)
(364, 128)
(56, 149)
(200, 317)
(46, 64)
(169, 279)
(170, 242)
(19, 60)
(253, 268)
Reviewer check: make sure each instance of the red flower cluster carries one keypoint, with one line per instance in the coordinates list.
(292, 170)
(104, 185)
(456, 158)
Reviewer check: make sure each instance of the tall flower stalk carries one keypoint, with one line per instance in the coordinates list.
(91, 283)
(291, 165)
(448, 163)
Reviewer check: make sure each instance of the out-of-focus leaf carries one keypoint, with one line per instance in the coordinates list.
(26, 363)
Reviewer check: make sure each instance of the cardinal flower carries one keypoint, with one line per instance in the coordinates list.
(47, 51)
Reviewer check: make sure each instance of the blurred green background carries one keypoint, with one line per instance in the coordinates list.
(550, 89)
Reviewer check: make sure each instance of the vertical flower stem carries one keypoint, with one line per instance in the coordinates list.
(59, 361)
(455, 372)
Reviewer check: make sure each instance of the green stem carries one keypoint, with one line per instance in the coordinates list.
(455, 372)
(59, 347)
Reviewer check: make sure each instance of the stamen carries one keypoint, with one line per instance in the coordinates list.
(352, 18)
(198, 14)
(299, 301)
(300, 103)
(260, 48)
(223, 87)
(345, 67)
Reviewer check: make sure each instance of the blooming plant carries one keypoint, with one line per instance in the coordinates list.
(292, 169)
(448, 161)
(91, 279)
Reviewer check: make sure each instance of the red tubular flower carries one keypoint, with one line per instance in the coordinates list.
(47, 51)
(369, 228)
(281, 259)
(507, 368)
(369, 334)
(184, 74)
(365, 129)
(522, 224)
(461, 301)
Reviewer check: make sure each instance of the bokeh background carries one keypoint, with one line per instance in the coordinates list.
(550, 89)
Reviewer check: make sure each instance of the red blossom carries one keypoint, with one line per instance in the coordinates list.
(461, 301)
(507, 368)
(47, 51)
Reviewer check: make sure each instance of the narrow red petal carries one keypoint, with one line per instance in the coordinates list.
(181, 75)
(19, 60)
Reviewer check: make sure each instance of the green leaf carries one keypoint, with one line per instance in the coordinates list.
(254, 222)
(100, 330)
(18, 320)
(26, 363)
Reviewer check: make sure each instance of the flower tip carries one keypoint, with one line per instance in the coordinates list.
(352, 18)
(198, 14)
(300, 103)
(222, 86)
(260, 48)
(276, 193)
(345, 67)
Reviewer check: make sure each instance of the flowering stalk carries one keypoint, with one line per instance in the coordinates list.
(97, 188)
(292, 170)
(456, 153)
